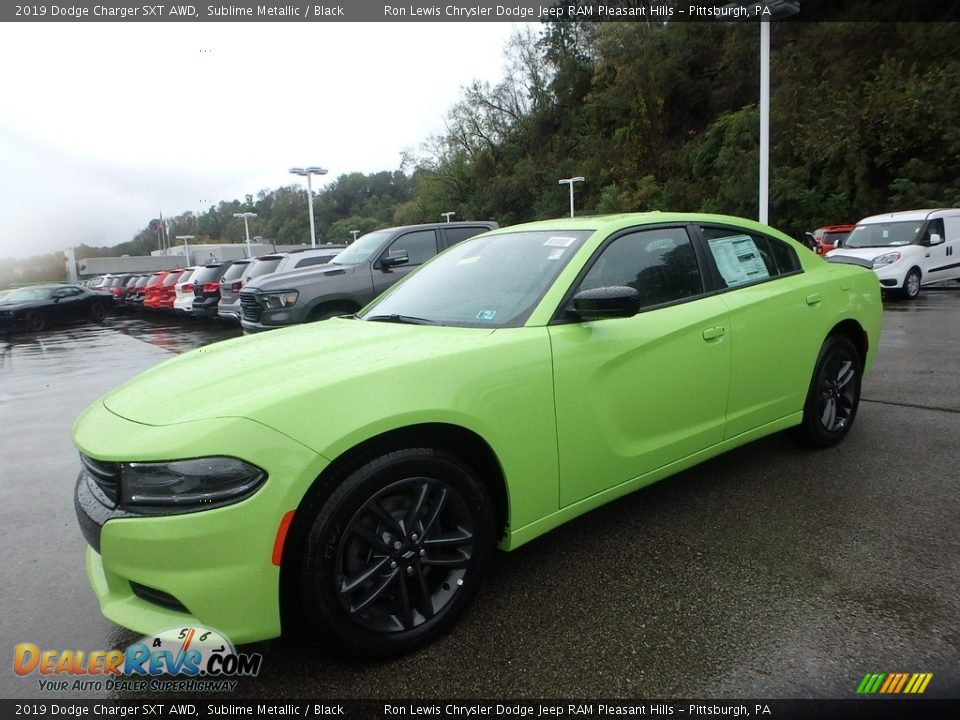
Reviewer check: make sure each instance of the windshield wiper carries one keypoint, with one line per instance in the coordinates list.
(402, 319)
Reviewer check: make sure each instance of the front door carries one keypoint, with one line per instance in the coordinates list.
(635, 394)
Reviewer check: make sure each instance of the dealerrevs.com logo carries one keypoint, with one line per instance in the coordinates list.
(196, 658)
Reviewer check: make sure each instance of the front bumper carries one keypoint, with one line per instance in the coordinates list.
(212, 567)
(893, 275)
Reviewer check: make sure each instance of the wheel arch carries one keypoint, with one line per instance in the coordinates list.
(857, 335)
(454, 439)
(326, 305)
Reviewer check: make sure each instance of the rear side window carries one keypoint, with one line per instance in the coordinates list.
(460, 233)
(263, 267)
(235, 271)
(743, 258)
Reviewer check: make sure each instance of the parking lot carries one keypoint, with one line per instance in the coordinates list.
(772, 571)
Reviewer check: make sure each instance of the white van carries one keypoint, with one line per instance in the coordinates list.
(907, 249)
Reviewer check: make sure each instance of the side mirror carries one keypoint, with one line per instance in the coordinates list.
(394, 258)
(606, 302)
(810, 240)
(935, 239)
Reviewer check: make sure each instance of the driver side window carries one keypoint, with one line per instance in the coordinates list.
(420, 245)
(659, 264)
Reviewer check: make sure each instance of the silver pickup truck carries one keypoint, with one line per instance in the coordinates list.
(352, 279)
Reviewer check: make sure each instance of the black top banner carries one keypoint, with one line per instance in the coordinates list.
(650, 11)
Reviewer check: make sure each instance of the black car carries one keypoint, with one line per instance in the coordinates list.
(40, 306)
(206, 289)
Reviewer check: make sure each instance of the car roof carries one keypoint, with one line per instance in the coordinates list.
(910, 215)
(612, 223)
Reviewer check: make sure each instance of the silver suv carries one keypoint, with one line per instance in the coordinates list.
(352, 279)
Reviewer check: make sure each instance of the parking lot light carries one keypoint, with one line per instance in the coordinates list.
(309, 172)
(570, 182)
(186, 249)
(246, 225)
(447, 215)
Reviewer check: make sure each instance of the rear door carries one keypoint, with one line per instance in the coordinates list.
(773, 307)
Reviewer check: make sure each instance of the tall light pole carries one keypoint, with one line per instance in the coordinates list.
(186, 249)
(766, 13)
(246, 225)
(447, 215)
(308, 173)
(570, 182)
(354, 233)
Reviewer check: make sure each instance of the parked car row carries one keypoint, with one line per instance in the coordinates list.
(279, 289)
(205, 291)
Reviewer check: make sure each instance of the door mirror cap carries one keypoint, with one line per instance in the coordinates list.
(606, 302)
(935, 239)
(394, 258)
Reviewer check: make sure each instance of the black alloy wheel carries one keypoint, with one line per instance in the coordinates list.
(97, 312)
(834, 393)
(35, 321)
(396, 552)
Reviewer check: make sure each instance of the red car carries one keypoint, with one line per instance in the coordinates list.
(828, 236)
(160, 293)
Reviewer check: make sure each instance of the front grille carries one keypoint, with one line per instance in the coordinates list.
(250, 307)
(105, 474)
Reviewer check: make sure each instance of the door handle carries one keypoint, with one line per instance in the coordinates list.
(714, 333)
(814, 299)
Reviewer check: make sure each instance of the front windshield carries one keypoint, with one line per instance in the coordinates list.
(494, 281)
(888, 234)
(29, 295)
(362, 249)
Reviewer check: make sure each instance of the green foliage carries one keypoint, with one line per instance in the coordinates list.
(865, 118)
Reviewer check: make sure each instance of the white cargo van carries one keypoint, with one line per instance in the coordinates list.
(907, 249)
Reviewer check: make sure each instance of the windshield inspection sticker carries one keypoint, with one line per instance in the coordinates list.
(555, 254)
(560, 242)
(486, 314)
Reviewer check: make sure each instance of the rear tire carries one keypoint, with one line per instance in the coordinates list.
(97, 313)
(395, 553)
(834, 393)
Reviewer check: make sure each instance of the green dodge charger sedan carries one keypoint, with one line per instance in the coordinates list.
(360, 471)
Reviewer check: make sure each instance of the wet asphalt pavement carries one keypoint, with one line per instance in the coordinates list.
(770, 572)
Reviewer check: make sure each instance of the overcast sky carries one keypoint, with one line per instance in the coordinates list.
(103, 126)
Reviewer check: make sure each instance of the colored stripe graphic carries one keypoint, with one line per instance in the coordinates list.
(894, 683)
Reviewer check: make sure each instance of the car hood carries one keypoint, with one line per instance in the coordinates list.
(299, 278)
(256, 376)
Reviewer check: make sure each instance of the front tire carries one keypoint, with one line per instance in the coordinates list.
(911, 285)
(35, 321)
(396, 552)
(834, 393)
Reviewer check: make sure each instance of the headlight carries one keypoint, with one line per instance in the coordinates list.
(187, 485)
(887, 259)
(277, 301)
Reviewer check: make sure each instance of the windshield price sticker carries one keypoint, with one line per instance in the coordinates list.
(560, 242)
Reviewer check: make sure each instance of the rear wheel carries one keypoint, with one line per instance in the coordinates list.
(35, 321)
(834, 393)
(97, 312)
(395, 554)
